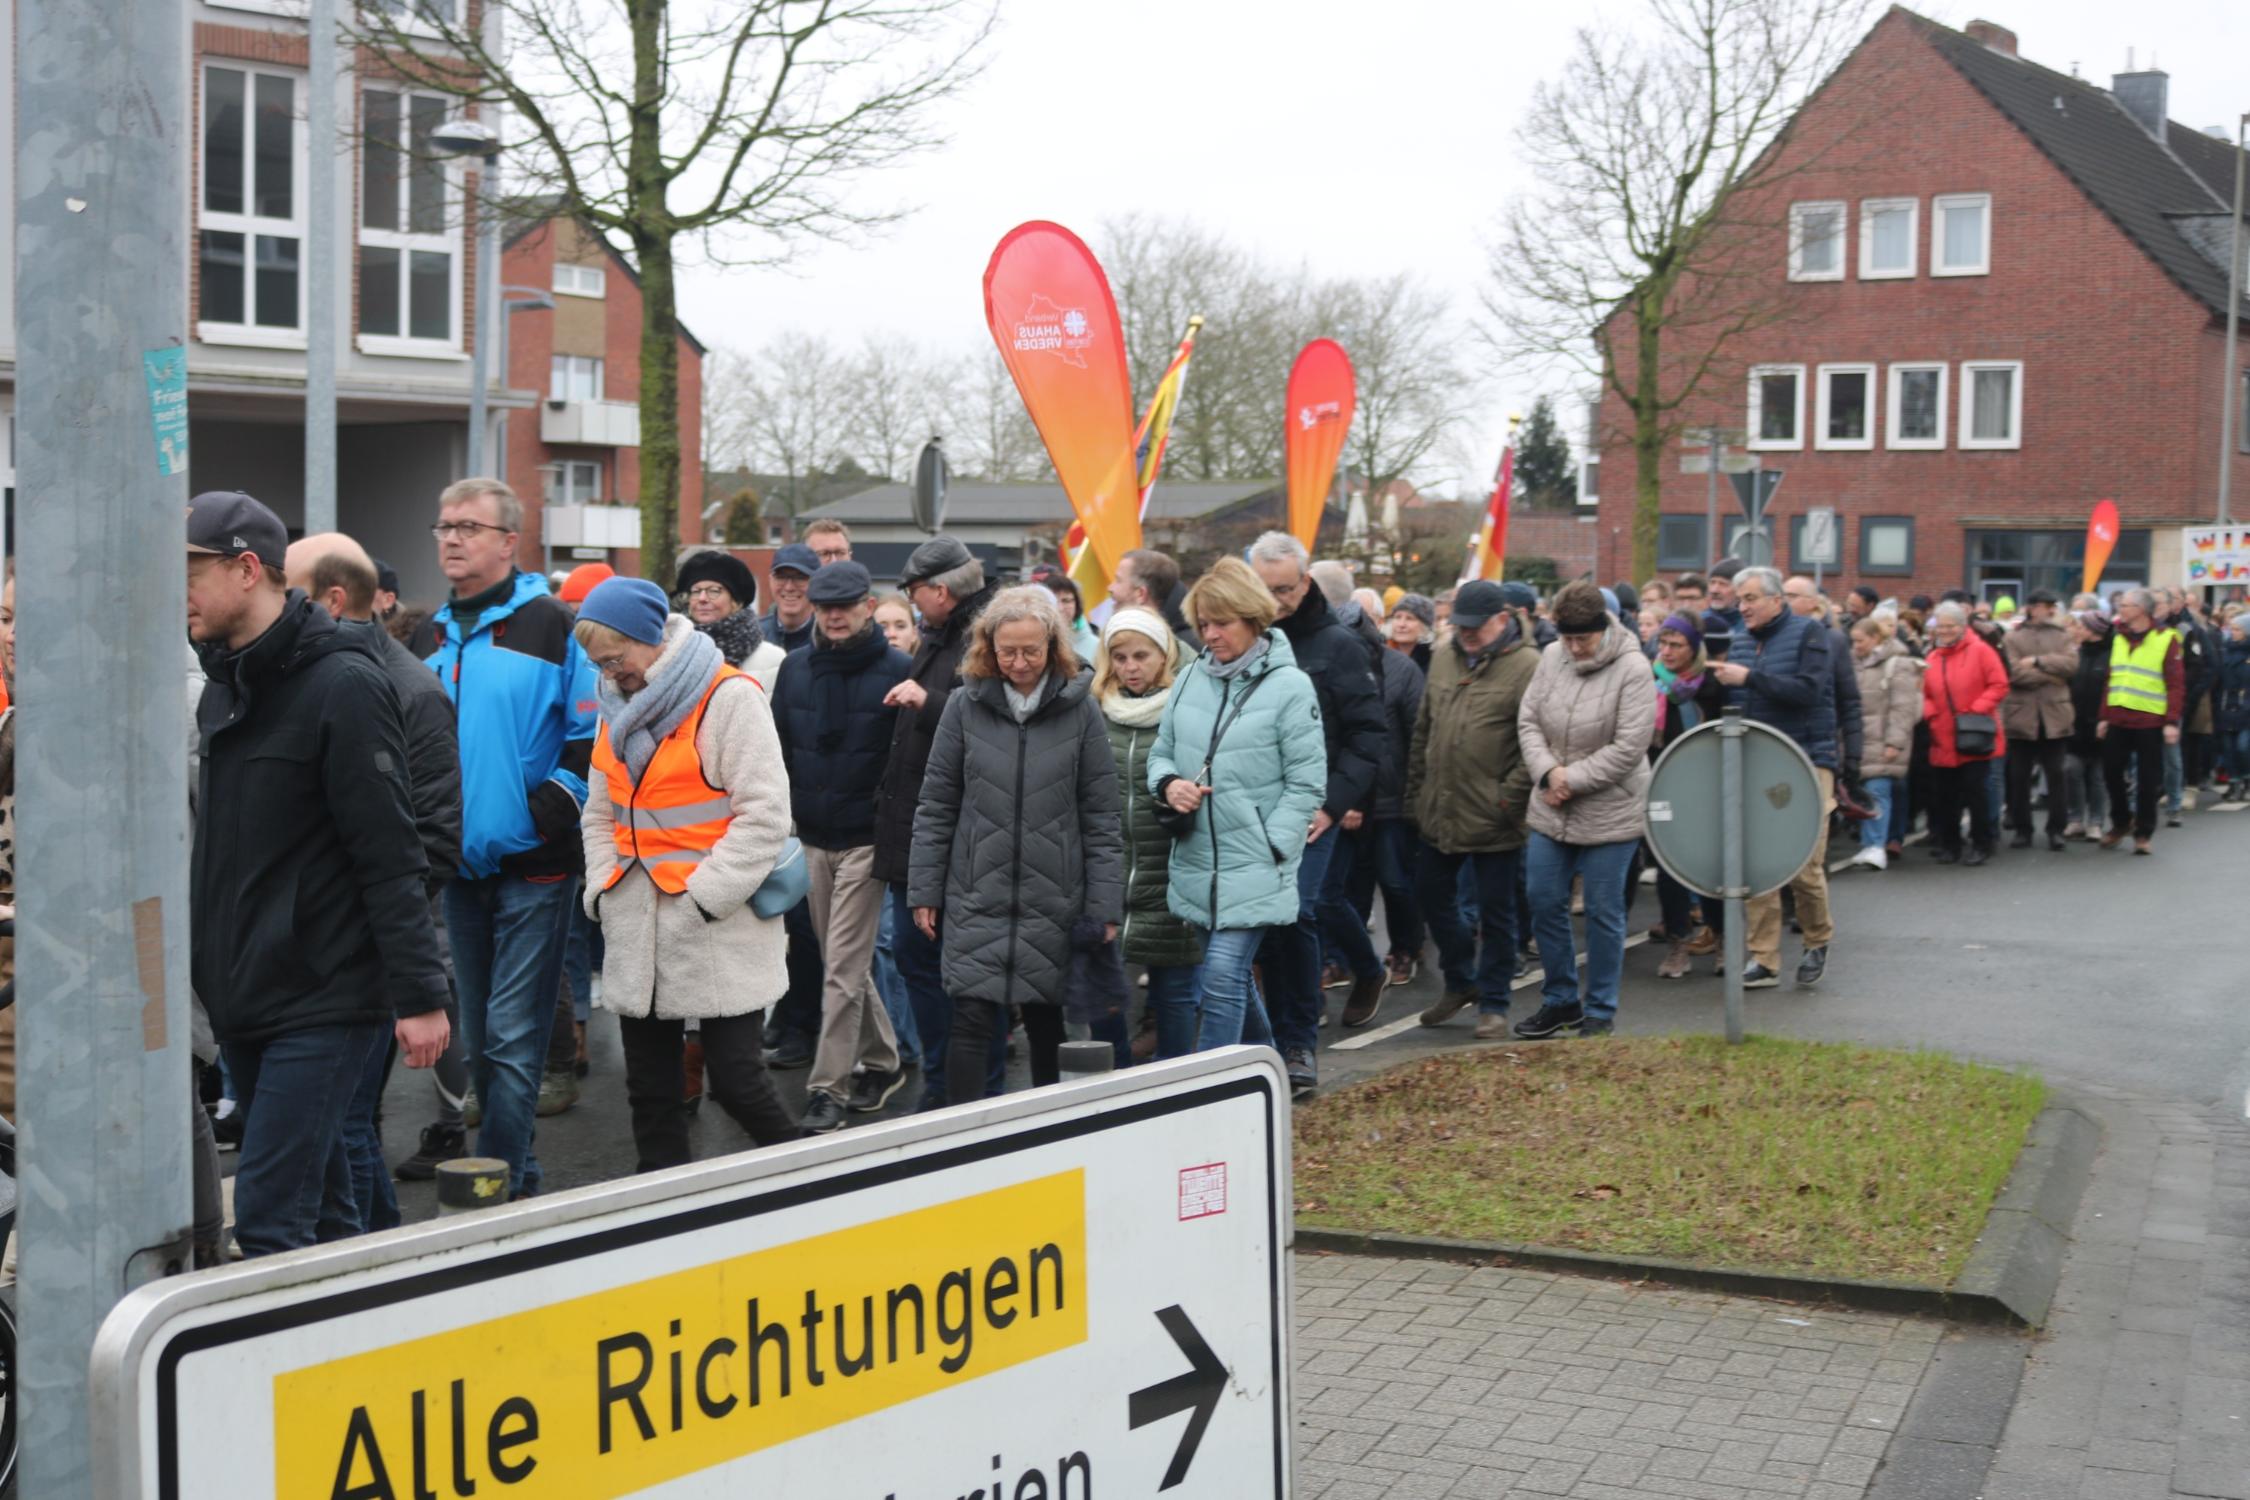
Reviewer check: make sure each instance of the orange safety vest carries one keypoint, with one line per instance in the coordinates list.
(669, 822)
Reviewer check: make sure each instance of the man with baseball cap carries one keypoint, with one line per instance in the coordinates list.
(789, 624)
(830, 709)
(310, 936)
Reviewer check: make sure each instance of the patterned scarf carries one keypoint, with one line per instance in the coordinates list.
(736, 635)
(1675, 691)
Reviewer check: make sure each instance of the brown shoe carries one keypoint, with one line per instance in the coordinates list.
(1448, 1005)
(1492, 1028)
(584, 1063)
(1675, 965)
(1403, 968)
(1365, 999)
(2113, 838)
(1703, 944)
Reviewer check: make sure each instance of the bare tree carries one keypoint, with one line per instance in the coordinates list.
(997, 441)
(1404, 340)
(671, 123)
(797, 415)
(1660, 156)
(897, 403)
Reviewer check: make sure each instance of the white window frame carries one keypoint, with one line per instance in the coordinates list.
(1776, 445)
(1894, 402)
(1797, 212)
(569, 370)
(1868, 209)
(1968, 403)
(600, 275)
(1938, 207)
(1821, 439)
(408, 17)
(250, 334)
(450, 240)
(560, 490)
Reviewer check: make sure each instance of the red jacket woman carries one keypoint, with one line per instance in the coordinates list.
(1962, 677)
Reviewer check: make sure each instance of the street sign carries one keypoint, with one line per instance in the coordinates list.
(929, 487)
(1754, 489)
(1704, 437)
(1015, 1295)
(1823, 540)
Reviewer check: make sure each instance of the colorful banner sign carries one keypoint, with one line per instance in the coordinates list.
(2101, 540)
(2216, 555)
(1488, 553)
(1149, 439)
(1050, 310)
(1322, 397)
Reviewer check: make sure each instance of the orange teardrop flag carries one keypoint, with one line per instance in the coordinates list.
(1050, 310)
(1321, 399)
(2101, 540)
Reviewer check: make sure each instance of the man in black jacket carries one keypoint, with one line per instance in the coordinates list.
(830, 712)
(1351, 713)
(947, 586)
(309, 917)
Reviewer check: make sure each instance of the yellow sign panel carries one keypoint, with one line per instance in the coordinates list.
(612, 1392)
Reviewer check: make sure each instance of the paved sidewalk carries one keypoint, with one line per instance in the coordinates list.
(1417, 1378)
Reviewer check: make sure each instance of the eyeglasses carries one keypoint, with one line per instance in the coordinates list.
(609, 666)
(1020, 653)
(462, 529)
(829, 555)
(708, 591)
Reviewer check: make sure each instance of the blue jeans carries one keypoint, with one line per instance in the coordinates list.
(377, 1205)
(1293, 957)
(1394, 845)
(1549, 869)
(892, 988)
(921, 967)
(1485, 961)
(1174, 992)
(1231, 1012)
(1876, 831)
(1343, 931)
(508, 935)
(292, 1182)
(2234, 749)
(2173, 780)
(581, 952)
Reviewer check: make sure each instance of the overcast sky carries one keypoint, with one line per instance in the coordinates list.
(1351, 136)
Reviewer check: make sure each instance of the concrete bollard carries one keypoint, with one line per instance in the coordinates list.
(1088, 1057)
(469, 1183)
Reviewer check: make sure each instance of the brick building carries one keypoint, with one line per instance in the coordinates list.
(2003, 302)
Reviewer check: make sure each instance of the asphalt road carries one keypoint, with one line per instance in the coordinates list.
(2084, 966)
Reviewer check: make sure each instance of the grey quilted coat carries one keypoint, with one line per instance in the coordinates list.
(1018, 834)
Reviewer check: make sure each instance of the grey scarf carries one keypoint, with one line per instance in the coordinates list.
(637, 725)
(1226, 671)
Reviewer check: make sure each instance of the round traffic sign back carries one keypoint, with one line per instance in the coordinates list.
(1781, 808)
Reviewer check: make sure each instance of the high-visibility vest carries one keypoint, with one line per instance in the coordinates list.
(2136, 673)
(674, 817)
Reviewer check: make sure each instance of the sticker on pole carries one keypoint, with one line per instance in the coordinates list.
(1012, 1299)
(165, 371)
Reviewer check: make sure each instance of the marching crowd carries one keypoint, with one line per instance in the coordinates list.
(872, 835)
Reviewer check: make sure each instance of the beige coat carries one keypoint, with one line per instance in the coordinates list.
(2041, 660)
(1890, 705)
(1594, 719)
(663, 956)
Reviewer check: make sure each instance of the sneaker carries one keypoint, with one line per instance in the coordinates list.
(1447, 1006)
(2055, 843)
(2022, 840)
(226, 1124)
(1523, 964)
(1893, 849)
(774, 1037)
(1871, 857)
(2113, 838)
(1977, 855)
(1550, 1020)
(1813, 965)
(2171, 820)
(2141, 846)
(472, 1109)
(1365, 999)
(1492, 1026)
(2075, 831)
(1403, 968)
(1676, 962)
(440, 1143)
(1657, 934)
(1304, 1077)
(1756, 976)
(1334, 976)
(795, 1052)
(558, 1091)
(823, 1113)
(1703, 944)
(1947, 856)
(1591, 1028)
(872, 1090)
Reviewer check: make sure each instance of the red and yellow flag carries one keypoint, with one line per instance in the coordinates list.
(1149, 439)
(1321, 397)
(1488, 554)
(1050, 310)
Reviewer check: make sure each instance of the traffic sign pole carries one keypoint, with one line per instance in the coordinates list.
(1730, 824)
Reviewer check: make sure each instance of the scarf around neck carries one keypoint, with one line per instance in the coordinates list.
(638, 724)
(736, 635)
(1136, 712)
(1227, 671)
(1674, 691)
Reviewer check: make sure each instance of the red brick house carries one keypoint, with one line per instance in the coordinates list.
(2010, 303)
(576, 458)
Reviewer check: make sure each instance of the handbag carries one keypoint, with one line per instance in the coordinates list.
(1975, 736)
(1180, 824)
(785, 884)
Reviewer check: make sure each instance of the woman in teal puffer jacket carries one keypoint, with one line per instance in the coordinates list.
(1239, 753)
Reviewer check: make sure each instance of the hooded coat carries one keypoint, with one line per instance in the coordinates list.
(1465, 780)
(1594, 719)
(1890, 695)
(1018, 835)
(1963, 678)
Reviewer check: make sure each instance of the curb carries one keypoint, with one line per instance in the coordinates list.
(2010, 1277)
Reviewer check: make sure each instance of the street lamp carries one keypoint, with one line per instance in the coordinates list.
(2230, 380)
(473, 138)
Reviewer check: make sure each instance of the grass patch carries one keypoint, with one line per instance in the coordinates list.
(1801, 1156)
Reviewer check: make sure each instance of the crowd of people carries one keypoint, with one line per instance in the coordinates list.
(878, 836)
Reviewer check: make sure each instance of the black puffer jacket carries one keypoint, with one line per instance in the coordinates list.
(1351, 704)
(307, 902)
(433, 750)
(2089, 688)
(937, 667)
(1019, 833)
(836, 734)
(1402, 704)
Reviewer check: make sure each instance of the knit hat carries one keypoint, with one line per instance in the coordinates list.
(1580, 609)
(1610, 603)
(722, 568)
(1417, 605)
(633, 607)
(1689, 631)
(1517, 595)
(1139, 621)
(582, 581)
(1628, 599)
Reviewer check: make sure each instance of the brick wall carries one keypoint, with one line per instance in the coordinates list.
(1568, 541)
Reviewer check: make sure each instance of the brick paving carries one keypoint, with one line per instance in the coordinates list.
(1422, 1379)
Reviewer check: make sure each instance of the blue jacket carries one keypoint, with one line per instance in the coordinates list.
(836, 734)
(523, 694)
(2233, 689)
(1792, 682)
(1237, 866)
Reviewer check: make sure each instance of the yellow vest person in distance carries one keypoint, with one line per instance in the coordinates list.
(2136, 673)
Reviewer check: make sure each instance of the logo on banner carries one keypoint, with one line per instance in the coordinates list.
(1319, 415)
(1065, 332)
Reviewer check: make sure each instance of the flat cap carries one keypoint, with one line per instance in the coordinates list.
(940, 554)
(841, 582)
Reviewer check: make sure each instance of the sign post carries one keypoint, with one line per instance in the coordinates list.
(1824, 538)
(1755, 488)
(1712, 464)
(1008, 1298)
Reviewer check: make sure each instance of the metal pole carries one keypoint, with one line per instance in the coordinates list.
(488, 296)
(101, 317)
(320, 271)
(1731, 837)
(2230, 380)
(1711, 496)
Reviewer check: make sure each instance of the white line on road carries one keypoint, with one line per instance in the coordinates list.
(1400, 1027)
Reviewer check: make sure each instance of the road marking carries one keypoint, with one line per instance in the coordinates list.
(2228, 807)
(1400, 1027)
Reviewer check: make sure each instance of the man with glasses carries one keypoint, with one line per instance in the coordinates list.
(830, 710)
(789, 624)
(831, 541)
(523, 692)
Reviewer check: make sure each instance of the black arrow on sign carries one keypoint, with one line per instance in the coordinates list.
(1197, 1392)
